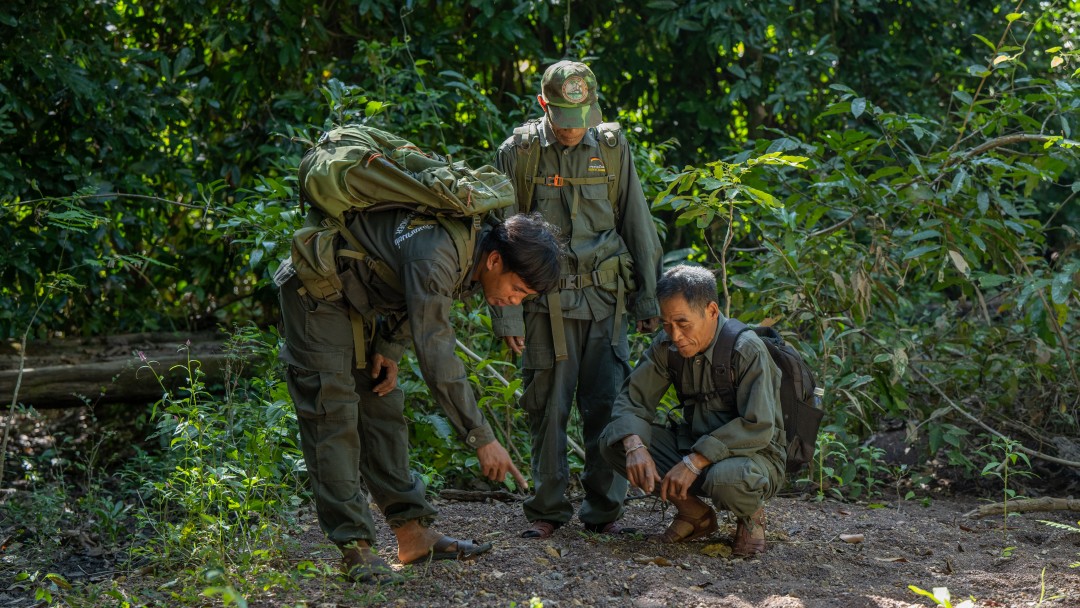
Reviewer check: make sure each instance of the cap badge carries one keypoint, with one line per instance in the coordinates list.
(575, 89)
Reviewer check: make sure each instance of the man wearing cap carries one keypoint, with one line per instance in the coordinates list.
(580, 175)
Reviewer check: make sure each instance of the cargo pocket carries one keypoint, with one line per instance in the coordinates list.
(596, 208)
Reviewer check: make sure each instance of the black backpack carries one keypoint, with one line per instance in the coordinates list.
(802, 416)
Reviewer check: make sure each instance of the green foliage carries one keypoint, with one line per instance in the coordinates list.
(907, 239)
(941, 597)
(847, 473)
(1004, 459)
(894, 182)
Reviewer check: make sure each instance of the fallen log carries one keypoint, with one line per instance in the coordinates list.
(1025, 505)
(115, 369)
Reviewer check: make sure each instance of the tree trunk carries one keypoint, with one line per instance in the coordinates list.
(79, 371)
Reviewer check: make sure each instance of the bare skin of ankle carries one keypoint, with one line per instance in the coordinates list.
(414, 541)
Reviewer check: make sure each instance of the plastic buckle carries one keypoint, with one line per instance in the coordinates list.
(570, 282)
(597, 279)
(554, 180)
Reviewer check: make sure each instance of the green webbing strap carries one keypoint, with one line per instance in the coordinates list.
(525, 137)
(464, 238)
(595, 278)
(620, 310)
(359, 342)
(558, 333)
(358, 252)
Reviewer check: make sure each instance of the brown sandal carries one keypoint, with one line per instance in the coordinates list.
(703, 527)
(745, 544)
(540, 528)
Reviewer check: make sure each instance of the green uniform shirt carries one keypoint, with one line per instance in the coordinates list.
(755, 425)
(423, 257)
(594, 234)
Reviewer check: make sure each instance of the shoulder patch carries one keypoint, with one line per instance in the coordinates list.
(596, 164)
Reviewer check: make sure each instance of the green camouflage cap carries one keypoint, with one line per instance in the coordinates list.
(569, 89)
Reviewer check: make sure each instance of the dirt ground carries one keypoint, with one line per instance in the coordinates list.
(807, 564)
(926, 543)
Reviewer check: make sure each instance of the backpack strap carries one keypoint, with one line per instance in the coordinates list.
(610, 136)
(723, 373)
(525, 137)
(723, 353)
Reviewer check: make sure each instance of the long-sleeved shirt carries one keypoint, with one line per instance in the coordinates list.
(423, 257)
(755, 424)
(596, 233)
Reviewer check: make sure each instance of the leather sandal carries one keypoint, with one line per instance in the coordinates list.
(540, 528)
(452, 549)
(703, 527)
(745, 544)
(611, 527)
(361, 564)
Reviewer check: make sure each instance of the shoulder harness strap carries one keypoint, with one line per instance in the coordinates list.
(723, 355)
(610, 136)
(525, 137)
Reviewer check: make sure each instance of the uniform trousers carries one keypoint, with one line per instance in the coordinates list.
(740, 484)
(351, 438)
(591, 376)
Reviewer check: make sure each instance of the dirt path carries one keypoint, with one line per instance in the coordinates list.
(807, 565)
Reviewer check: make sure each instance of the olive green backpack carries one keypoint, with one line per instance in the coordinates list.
(357, 168)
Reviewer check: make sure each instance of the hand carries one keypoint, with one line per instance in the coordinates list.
(495, 463)
(515, 343)
(379, 365)
(677, 483)
(648, 326)
(640, 467)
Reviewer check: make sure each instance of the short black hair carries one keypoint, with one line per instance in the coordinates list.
(530, 247)
(694, 283)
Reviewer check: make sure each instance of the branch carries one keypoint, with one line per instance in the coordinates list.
(465, 349)
(1025, 505)
(156, 199)
(970, 416)
(812, 235)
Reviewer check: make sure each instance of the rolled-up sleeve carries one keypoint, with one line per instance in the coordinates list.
(429, 297)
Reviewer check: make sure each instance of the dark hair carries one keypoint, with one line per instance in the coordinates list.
(696, 284)
(530, 248)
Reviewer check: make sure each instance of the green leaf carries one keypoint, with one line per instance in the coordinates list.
(992, 46)
(1014, 16)
(920, 251)
(1061, 288)
(858, 106)
(923, 235)
(884, 172)
(762, 196)
(983, 200)
(993, 280)
(662, 5)
(689, 25)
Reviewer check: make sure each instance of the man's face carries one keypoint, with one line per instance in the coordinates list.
(567, 137)
(501, 288)
(691, 330)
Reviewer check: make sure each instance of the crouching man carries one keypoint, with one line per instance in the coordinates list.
(727, 448)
